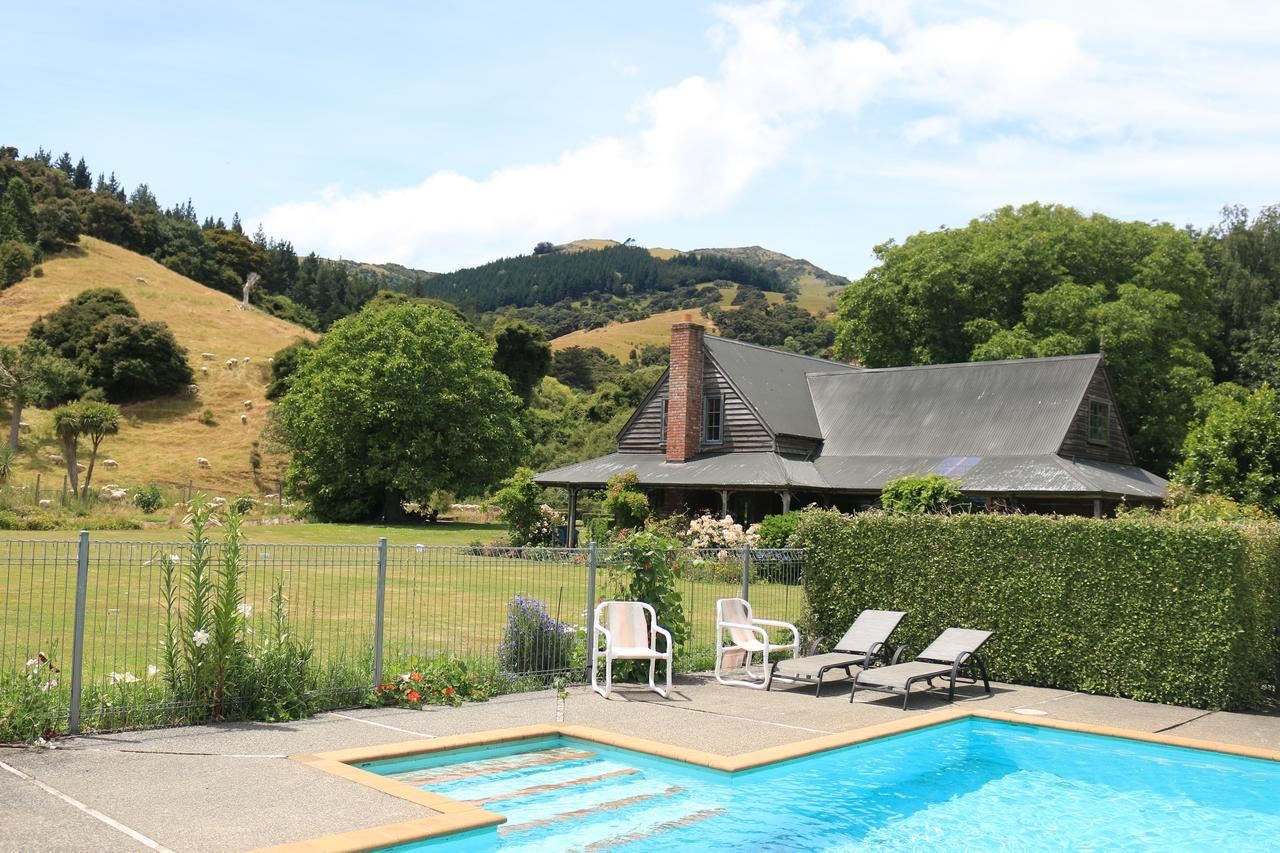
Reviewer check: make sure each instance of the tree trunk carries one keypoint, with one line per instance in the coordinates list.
(16, 421)
(69, 456)
(88, 474)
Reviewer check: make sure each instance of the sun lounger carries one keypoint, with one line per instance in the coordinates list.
(954, 652)
(863, 644)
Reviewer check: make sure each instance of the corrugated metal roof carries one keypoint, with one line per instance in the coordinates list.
(1047, 474)
(773, 382)
(991, 408)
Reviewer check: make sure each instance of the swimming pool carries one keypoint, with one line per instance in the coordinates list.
(968, 784)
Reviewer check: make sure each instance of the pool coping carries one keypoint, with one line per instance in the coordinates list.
(455, 816)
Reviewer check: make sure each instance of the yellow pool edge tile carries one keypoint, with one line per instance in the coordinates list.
(455, 816)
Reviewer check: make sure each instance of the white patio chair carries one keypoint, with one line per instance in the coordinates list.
(748, 635)
(627, 637)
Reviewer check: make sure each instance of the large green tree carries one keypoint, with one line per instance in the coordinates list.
(1234, 447)
(17, 214)
(523, 354)
(133, 359)
(1045, 280)
(394, 404)
(67, 329)
(34, 374)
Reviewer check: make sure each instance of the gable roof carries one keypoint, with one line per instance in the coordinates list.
(773, 383)
(974, 409)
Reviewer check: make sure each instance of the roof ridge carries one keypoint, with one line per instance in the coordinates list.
(1036, 360)
(777, 351)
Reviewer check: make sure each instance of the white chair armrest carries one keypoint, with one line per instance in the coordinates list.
(608, 638)
(764, 635)
(774, 623)
(658, 629)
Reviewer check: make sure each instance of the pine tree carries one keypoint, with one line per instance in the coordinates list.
(64, 165)
(235, 223)
(81, 177)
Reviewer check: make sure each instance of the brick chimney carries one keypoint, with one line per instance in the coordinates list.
(684, 392)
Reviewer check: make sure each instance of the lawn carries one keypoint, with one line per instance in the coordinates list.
(442, 599)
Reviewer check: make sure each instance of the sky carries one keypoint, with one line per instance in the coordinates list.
(445, 134)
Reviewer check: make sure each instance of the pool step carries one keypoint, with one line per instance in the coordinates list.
(488, 766)
(534, 790)
(646, 833)
(591, 811)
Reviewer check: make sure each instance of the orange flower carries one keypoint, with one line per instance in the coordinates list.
(449, 691)
(413, 696)
(416, 676)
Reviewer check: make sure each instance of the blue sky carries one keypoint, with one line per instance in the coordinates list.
(445, 134)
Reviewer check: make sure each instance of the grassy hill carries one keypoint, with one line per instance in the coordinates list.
(160, 439)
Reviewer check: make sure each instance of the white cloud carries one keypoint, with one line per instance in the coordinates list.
(1043, 83)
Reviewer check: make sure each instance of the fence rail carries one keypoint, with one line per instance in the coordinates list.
(96, 610)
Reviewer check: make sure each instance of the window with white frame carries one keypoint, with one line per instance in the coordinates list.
(712, 420)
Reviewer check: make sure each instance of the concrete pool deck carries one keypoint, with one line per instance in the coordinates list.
(233, 786)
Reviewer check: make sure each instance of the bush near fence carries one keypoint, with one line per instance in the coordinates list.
(1178, 613)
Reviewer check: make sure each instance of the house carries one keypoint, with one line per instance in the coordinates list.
(748, 430)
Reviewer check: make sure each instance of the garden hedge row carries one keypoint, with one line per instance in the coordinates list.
(1178, 613)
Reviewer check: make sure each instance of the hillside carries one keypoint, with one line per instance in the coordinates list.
(791, 269)
(161, 439)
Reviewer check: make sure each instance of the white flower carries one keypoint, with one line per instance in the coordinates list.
(404, 676)
(49, 685)
(245, 610)
(32, 662)
(200, 638)
(127, 678)
(152, 669)
(175, 559)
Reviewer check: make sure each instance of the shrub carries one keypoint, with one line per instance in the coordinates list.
(243, 505)
(915, 494)
(15, 262)
(442, 681)
(29, 702)
(625, 503)
(1177, 613)
(148, 498)
(707, 531)
(520, 500)
(535, 641)
(8, 460)
(208, 418)
(775, 530)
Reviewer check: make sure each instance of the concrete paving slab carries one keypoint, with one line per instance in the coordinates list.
(32, 819)
(227, 786)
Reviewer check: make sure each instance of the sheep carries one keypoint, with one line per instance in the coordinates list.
(270, 497)
(23, 426)
(231, 364)
(248, 404)
(245, 360)
(141, 280)
(194, 390)
(244, 419)
(207, 356)
(114, 495)
(45, 503)
(218, 501)
(56, 458)
(271, 359)
(80, 466)
(204, 368)
(110, 463)
(202, 462)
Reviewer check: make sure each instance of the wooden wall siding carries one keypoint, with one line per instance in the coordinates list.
(793, 446)
(1076, 442)
(740, 428)
(645, 433)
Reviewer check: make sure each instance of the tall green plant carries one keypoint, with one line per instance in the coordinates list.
(645, 566)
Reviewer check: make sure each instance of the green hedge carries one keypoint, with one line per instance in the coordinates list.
(1178, 613)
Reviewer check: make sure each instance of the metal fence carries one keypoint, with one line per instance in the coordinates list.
(96, 610)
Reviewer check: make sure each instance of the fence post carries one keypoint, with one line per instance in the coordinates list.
(77, 642)
(746, 571)
(380, 611)
(591, 606)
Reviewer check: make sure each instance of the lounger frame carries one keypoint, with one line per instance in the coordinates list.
(964, 661)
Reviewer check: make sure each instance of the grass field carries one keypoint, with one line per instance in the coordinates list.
(161, 439)
(302, 534)
(439, 601)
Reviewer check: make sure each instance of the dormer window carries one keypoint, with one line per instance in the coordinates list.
(1100, 422)
(712, 419)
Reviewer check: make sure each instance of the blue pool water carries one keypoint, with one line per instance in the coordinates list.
(966, 785)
